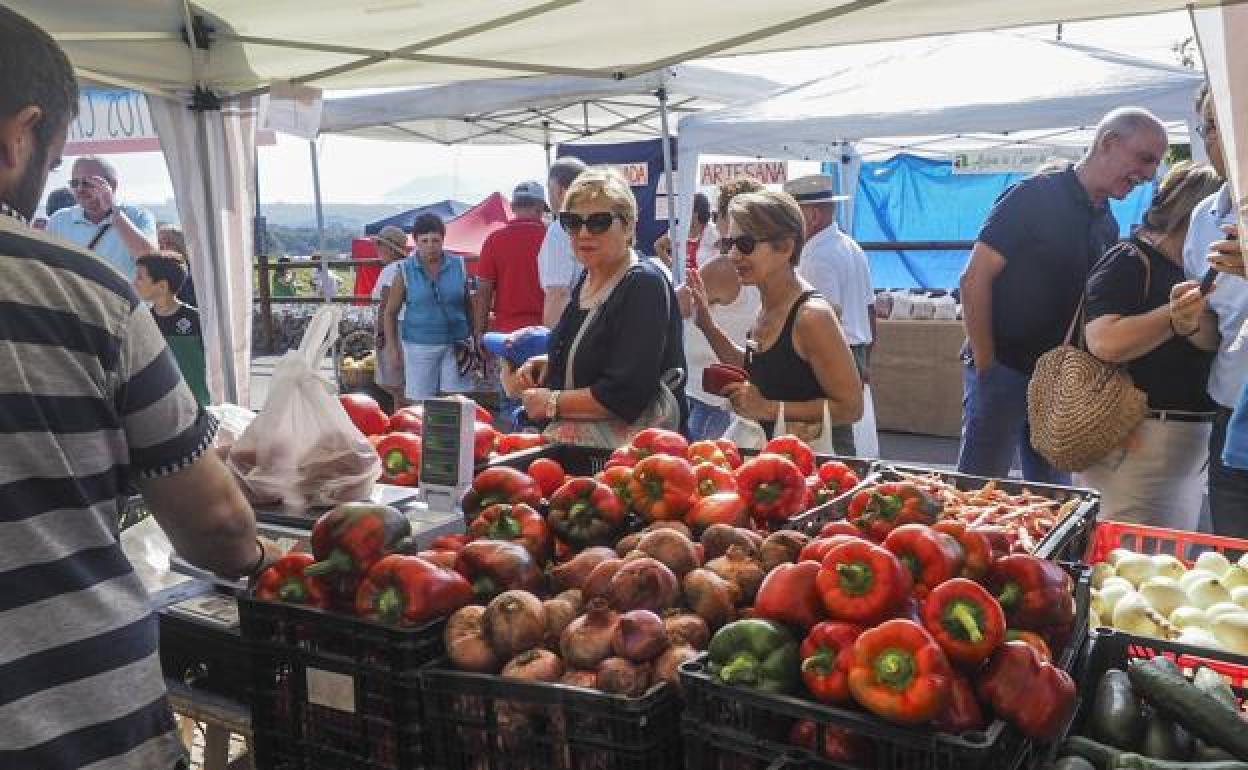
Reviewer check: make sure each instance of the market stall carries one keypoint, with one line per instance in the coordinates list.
(916, 376)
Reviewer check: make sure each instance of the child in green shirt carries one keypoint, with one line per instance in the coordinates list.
(158, 278)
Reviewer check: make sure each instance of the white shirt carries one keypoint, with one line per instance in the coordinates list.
(1229, 301)
(836, 266)
(386, 280)
(327, 288)
(734, 320)
(72, 225)
(556, 262)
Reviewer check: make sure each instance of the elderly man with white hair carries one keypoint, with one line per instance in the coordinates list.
(120, 234)
(1026, 277)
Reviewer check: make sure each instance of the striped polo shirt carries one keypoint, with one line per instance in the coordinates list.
(90, 399)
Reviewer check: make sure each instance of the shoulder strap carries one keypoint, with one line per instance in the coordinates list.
(99, 234)
(1144, 252)
(793, 311)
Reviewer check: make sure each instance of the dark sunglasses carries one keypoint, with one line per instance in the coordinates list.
(745, 244)
(79, 182)
(597, 223)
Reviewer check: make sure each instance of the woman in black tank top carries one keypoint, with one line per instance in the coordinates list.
(796, 354)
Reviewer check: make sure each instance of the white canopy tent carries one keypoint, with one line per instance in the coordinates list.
(939, 97)
(242, 46)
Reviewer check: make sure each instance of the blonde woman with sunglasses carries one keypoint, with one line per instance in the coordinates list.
(795, 356)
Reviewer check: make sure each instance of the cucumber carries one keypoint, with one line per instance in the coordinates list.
(1072, 763)
(1117, 715)
(1203, 715)
(1168, 665)
(1138, 762)
(1104, 757)
(1163, 739)
(1210, 681)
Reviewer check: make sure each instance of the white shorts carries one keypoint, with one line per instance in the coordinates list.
(384, 375)
(430, 370)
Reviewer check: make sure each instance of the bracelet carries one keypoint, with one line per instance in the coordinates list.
(552, 405)
(254, 570)
(1178, 333)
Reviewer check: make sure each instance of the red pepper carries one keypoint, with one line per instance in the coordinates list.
(963, 712)
(773, 487)
(400, 459)
(352, 537)
(817, 550)
(965, 620)
(450, 542)
(794, 449)
(494, 566)
(548, 474)
(624, 457)
(509, 443)
(516, 524)
(657, 441)
(485, 438)
(899, 673)
(837, 477)
(723, 508)
(788, 595)
(730, 451)
(365, 413)
(839, 744)
(586, 512)
(1016, 670)
(826, 653)
(409, 419)
(663, 487)
(442, 558)
(1034, 593)
(500, 484)
(618, 478)
(839, 527)
(976, 550)
(708, 452)
(931, 557)
(713, 479)
(861, 582)
(1033, 640)
(284, 581)
(407, 591)
(880, 509)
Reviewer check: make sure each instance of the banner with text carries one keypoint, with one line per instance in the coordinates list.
(1011, 160)
(767, 172)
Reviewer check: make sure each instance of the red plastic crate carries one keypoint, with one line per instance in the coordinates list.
(1183, 545)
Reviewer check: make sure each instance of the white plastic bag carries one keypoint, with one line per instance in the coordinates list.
(303, 450)
(866, 439)
(232, 421)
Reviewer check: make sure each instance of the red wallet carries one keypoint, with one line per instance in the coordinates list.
(717, 376)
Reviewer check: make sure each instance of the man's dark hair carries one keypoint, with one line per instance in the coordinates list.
(167, 266)
(565, 171)
(428, 223)
(60, 198)
(36, 73)
(701, 208)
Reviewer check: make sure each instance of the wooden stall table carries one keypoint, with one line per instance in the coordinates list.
(221, 718)
(916, 377)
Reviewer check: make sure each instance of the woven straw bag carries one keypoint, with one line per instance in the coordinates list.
(1080, 408)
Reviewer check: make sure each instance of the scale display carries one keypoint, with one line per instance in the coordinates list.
(446, 443)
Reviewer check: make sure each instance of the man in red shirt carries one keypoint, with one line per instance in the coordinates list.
(507, 273)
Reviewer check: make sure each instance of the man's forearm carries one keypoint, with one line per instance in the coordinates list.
(481, 308)
(977, 317)
(133, 237)
(552, 306)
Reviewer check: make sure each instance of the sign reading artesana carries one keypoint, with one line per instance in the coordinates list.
(767, 172)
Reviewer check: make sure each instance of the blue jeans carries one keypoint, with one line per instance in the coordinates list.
(995, 429)
(706, 421)
(1228, 487)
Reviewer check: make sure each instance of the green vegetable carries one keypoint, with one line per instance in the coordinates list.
(755, 653)
(1210, 681)
(1108, 758)
(1163, 739)
(1072, 763)
(1117, 715)
(1202, 714)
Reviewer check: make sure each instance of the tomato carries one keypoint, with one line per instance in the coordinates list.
(409, 419)
(549, 475)
(483, 414)
(365, 412)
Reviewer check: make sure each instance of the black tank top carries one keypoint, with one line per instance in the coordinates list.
(779, 373)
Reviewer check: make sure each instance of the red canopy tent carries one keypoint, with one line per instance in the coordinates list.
(466, 232)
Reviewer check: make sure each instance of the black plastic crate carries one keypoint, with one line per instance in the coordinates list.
(332, 691)
(576, 460)
(709, 749)
(863, 466)
(754, 716)
(485, 722)
(201, 645)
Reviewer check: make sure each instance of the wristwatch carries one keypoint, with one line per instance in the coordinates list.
(552, 405)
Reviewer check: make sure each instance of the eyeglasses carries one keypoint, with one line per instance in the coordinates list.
(76, 183)
(597, 223)
(1204, 130)
(744, 243)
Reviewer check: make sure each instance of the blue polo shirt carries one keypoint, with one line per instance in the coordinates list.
(1051, 234)
(72, 225)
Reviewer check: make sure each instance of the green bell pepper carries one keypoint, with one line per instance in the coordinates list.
(757, 654)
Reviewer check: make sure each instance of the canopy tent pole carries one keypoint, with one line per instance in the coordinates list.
(661, 95)
(546, 144)
(320, 218)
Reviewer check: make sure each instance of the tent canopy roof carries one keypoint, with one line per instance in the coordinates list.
(381, 43)
(959, 92)
(554, 108)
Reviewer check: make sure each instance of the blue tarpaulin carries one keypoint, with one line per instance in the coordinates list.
(447, 209)
(910, 198)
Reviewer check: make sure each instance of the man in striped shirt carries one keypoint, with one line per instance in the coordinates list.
(90, 398)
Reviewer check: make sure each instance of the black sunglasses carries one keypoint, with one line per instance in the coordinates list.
(597, 223)
(745, 244)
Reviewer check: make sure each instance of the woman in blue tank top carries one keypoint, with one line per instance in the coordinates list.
(432, 288)
(796, 354)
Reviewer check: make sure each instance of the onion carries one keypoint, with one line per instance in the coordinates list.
(586, 641)
(712, 597)
(671, 548)
(534, 666)
(628, 544)
(466, 644)
(643, 584)
(718, 537)
(686, 628)
(559, 613)
(574, 597)
(514, 622)
(738, 567)
(599, 580)
(639, 636)
(572, 573)
(667, 667)
(782, 547)
(623, 677)
(674, 524)
(579, 678)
